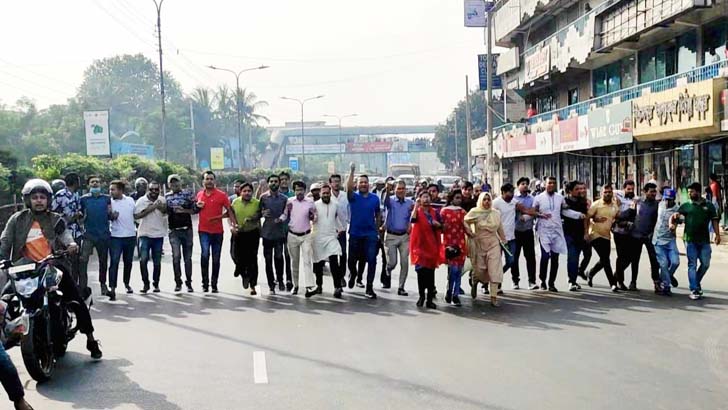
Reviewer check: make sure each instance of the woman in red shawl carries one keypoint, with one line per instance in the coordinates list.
(425, 247)
(453, 241)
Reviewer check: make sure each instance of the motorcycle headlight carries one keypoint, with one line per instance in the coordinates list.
(26, 287)
(52, 278)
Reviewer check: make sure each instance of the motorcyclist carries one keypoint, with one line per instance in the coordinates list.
(35, 233)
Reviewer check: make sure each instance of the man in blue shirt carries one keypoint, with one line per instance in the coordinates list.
(96, 210)
(524, 235)
(363, 232)
(399, 210)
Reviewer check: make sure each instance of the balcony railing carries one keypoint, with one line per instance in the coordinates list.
(697, 74)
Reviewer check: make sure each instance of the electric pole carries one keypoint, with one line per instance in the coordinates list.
(161, 76)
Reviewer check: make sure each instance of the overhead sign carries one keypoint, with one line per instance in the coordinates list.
(611, 125)
(685, 111)
(123, 148)
(483, 72)
(537, 62)
(293, 163)
(96, 124)
(217, 158)
(315, 149)
(476, 12)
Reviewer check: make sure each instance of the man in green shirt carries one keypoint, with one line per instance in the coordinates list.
(247, 237)
(698, 214)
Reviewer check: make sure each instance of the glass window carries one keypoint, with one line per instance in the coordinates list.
(627, 70)
(647, 65)
(614, 77)
(599, 79)
(573, 96)
(687, 54)
(715, 38)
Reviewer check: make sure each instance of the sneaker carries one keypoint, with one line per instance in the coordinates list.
(93, 347)
(582, 275)
(543, 286)
(178, 288)
(402, 292)
(112, 295)
(359, 284)
(515, 286)
(700, 291)
(673, 281)
(253, 291)
(448, 297)
(456, 301)
(573, 288)
(214, 289)
(615, 289)
(578, 286)
(633, 287)
(104, 290)
(190, 289)
(129, 290)
(352, 281)
(205, 288)
(337, 293)
(532, 286)
(500, 292)
(294, 291)
(145, 289)
(156, 289)
(694, 295)
(310, 292)
(552, 288)
(289, 286)
(370, 294)
(622, 286)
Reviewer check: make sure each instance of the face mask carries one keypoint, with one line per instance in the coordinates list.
(95, 190)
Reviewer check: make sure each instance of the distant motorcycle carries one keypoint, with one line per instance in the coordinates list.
(34, 315)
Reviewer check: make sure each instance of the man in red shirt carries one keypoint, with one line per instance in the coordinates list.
(213, 203)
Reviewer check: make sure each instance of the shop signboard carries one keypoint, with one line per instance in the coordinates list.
(686, 111)
(571, 134)
(479, 146)
(537, 61)
(520, 143)
(724, 105)
(544, 143)
(610, 125)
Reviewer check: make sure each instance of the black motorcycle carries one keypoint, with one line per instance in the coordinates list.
(34, 314)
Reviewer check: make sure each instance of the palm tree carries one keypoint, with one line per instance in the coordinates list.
(249, 106)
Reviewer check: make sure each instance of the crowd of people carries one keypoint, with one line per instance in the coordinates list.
(470, 230)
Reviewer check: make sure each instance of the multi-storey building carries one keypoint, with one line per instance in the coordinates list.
(615, 90)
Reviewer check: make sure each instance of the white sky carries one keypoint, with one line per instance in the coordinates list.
(392, 62)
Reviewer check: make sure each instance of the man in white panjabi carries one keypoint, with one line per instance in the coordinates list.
(326, 247)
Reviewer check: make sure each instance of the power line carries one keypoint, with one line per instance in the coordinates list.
(45, 87)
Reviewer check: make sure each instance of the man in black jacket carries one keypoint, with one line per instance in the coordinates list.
(644, 214)
(574, 234)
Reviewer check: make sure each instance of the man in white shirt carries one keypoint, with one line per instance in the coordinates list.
(326, 246)
(342, 207)
(550, 206)
(123, 236)
(507, 207)
(151, 211)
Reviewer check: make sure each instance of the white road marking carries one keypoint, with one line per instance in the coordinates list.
(260, 371)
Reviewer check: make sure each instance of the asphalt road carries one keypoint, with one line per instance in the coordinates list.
(591, 349)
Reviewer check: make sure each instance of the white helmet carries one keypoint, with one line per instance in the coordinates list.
(33, 186)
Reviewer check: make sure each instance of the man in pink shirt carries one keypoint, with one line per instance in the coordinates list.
(212, 202)
(299, 213)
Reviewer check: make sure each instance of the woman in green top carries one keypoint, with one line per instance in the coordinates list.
(246, 237)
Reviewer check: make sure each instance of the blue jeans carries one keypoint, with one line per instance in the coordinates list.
(181, 242)
(119, 247)
(575, 246)
(668, 258)
(364, 249)
(9, 377)
(210, 241)
(510, 260)
(455, 273)
(154, 246)
(697, 251)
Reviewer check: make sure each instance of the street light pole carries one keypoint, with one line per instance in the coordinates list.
(237, 74)
(161, 76)
(303, 140)
(339, 118)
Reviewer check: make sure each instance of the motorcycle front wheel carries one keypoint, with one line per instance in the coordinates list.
(37, 352)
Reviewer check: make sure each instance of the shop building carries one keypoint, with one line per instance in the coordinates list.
(623, 89)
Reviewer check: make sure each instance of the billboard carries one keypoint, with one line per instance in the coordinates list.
(217, 158)
(475, 12)
(316, 149)
(571, 134)
(96, 124)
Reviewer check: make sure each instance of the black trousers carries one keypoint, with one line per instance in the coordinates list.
(342, 259)
(547, 257)
(287, 258)
(524, 242)
(603, 248)
(636, 251)
(426, 282)
(246, 255)
(385, 277)
(625, 245)
(71, 294)
(336, 271)
(273, 254)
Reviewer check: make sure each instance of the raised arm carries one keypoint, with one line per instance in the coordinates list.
(350, 181)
